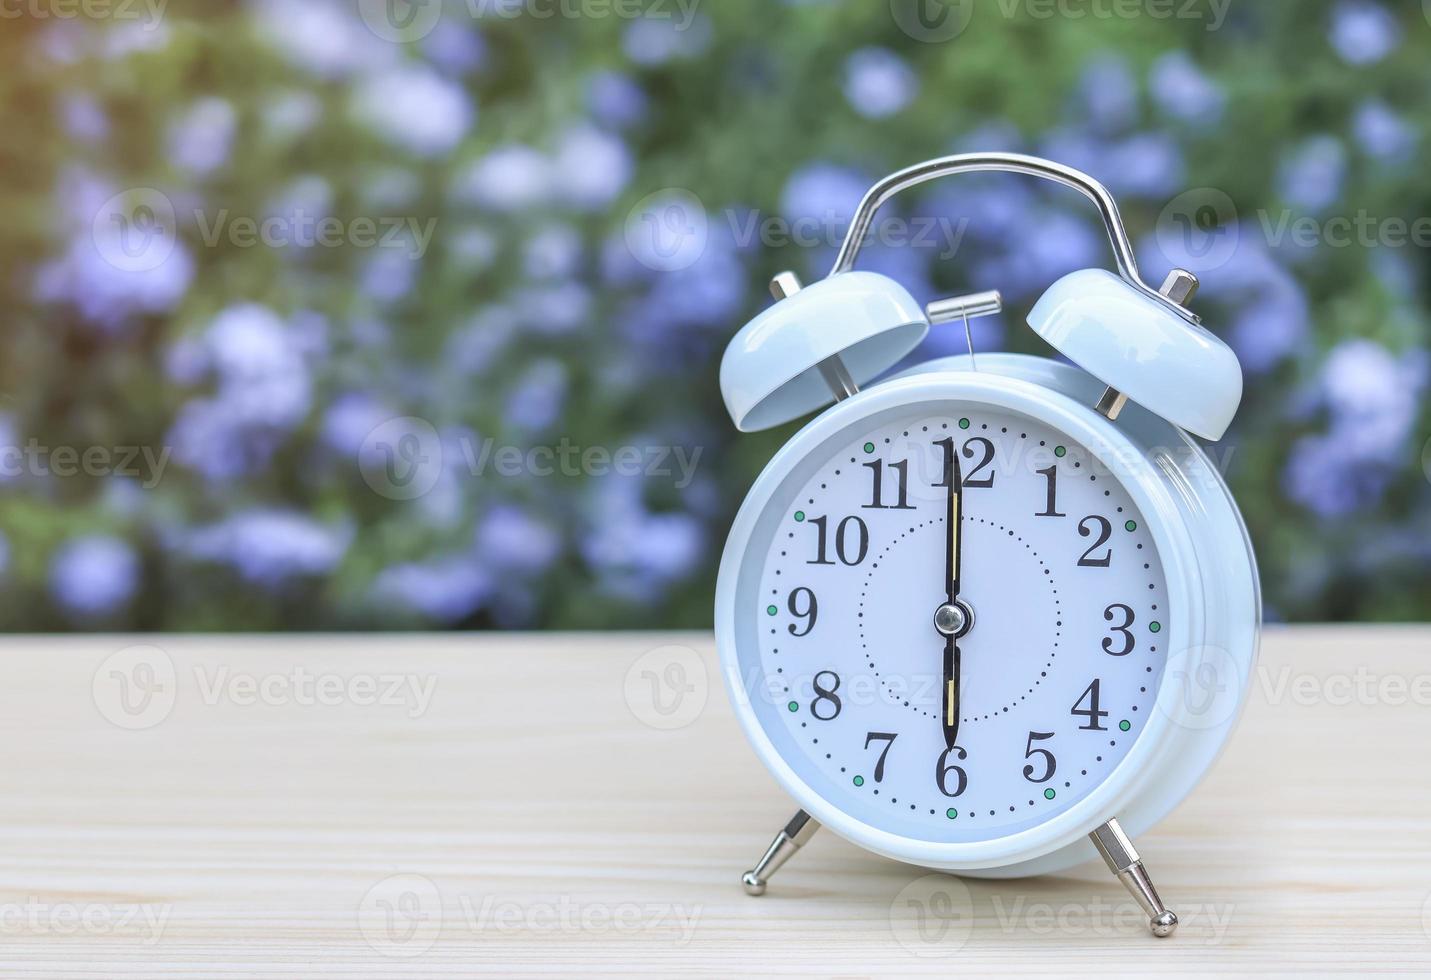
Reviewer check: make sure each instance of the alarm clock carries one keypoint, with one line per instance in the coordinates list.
(992, 615)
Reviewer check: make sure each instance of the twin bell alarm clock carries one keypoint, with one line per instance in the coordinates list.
(994, 615)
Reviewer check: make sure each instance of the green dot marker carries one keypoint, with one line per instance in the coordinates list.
(771, 610)
(1124, 725)
(1049, 794)
(794, 706)
(963, 423)
(1155, 626)
(951, 813)
(799, 515)
(859, 780)
(1060, 452)
(1131, 525)
(869, 447)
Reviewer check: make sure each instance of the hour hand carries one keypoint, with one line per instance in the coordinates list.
(951, 692)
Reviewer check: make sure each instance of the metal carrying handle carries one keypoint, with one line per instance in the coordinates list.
(1016, 163)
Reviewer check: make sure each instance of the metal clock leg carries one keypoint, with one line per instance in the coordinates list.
(800, 829)
(1122, 859)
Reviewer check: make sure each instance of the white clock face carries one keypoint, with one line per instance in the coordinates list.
(1062, 609)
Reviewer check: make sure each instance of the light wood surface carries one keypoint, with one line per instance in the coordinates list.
(536, 823)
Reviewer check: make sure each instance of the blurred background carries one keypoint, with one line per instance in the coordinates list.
(353, 315)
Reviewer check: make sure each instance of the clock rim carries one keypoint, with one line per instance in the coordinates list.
(1176, 550)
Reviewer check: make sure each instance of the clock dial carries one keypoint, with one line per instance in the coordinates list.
(960, 623)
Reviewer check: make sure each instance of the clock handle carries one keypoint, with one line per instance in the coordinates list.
(1122, 859)
(800, 829)
(1016, 163)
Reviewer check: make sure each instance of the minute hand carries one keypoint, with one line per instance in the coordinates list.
(951, 581)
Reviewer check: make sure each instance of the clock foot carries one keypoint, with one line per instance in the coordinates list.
(1122, 859)
(800, 829)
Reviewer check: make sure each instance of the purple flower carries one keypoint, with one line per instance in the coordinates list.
(94, 576)
(415, 108)
(263, 391)
(1382, 133)
(615, 100)
(270, 547)
(536, 402)
(1363, 33)
(389, 274)
(510, 540)
(592, 167)
(878, 83)
(454, 47)
(1374, 399)
(824, 193)
(650, 41)
(84, 119)
(510, 178)
(200, 139)
(350, 420)
(555, 308)
(1183, 92)
(552, 252)
(1108, 93)
(446, 590)
(322, 37)
(1145, 165)
(1311, 177)
(108, 294)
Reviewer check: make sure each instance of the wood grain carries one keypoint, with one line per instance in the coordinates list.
(289, 805)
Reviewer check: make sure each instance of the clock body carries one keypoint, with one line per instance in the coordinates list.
(1114, 616)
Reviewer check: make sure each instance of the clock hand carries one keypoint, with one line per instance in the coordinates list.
(946, 614)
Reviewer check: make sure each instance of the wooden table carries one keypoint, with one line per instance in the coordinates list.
(455, 805)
